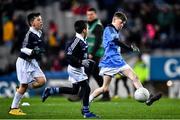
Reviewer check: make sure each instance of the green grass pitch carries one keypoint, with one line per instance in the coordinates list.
(61, 108)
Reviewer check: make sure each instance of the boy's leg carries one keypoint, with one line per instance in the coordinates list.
(60, 90)
(117, 79)
(124, 79)
(15, 110)
(85, 87)
(85, 109)
(39, 82)
(104, 88)
(99, 80)
(131, 75)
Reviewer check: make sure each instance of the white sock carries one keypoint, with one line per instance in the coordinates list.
(91, 98)
(16, 100)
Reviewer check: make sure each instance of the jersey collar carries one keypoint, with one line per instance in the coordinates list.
(38, 33)
(111, 25)
(80, 36)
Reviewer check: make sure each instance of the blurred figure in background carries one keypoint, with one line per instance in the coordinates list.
(174, 89)
(95, 49)
(59, 63)
(119, 77)
(21, 28)
(8, 31)
(53, 38)
(142, 70)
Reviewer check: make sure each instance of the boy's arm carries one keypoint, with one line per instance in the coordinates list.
(116, 40)
(123, 45)
(132, 48)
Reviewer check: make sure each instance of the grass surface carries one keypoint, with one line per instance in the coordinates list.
(61, 108)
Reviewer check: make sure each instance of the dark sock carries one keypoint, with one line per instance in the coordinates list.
(54, 90)
(85, 109)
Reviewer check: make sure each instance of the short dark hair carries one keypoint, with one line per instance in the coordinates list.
(80, 25)
(120, 15)
(31, 17)
(92, 9)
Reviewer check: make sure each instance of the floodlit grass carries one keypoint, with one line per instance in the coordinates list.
(61, 108)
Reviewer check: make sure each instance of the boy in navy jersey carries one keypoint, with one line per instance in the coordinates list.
(28, 71)
(77, 58)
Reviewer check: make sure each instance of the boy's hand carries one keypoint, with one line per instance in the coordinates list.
(135, 48)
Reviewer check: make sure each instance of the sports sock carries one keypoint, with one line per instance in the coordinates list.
(85, 109)
(54, 90)
(91, 98)
(16, 100)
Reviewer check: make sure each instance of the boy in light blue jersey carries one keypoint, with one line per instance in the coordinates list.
(112, 56)
(112, 61)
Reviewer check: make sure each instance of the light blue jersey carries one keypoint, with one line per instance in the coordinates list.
(112, 57)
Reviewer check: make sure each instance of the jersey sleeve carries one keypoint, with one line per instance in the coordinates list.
(71, 59)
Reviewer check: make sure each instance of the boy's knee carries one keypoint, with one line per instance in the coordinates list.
(22, 89)
(41, 81)
(105, 89)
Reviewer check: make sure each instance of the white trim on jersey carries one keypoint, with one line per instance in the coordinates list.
(26, 51)
(73, 45)
(75, 42)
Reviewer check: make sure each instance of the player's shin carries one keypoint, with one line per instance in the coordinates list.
(16, 100)
(96, 93)
(137, 83)
(19, 95)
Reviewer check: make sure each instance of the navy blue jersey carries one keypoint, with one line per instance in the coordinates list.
(76, 51)
(32, 40)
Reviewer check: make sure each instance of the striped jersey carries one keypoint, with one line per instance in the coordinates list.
(33, 39)
(76, 51)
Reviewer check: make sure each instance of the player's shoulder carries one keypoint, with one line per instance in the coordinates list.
(108, 29)
(109, 26)
(32, 35)
(111, 29)
(74, 41)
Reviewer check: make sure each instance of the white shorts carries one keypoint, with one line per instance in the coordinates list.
(76, 74)
(27, 70)
(113, 71)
